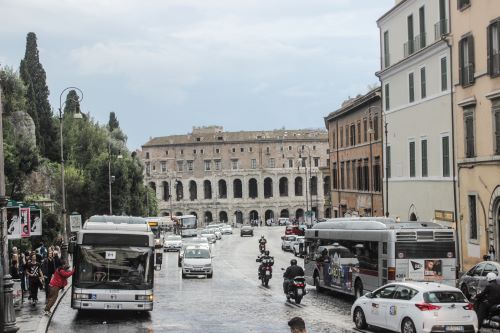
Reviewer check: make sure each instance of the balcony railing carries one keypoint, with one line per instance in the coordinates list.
(440, 28)
(467, 74)
(409, 47)
(414, 45)
(495, 64)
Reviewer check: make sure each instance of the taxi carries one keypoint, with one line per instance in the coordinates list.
(414, 307)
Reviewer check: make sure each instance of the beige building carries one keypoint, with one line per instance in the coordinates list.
(475, 39)
(355, 136)
(239, 176)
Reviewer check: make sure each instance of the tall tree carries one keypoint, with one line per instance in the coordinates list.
(113, 122)
(37, 96)
(72, 103)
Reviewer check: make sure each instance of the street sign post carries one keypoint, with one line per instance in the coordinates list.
(75, 222)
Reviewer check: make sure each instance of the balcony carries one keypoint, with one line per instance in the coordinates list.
(414, 45)
(440, 29)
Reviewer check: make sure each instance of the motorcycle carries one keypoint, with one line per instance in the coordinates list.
(492, 319)
(296, 289)
(262, 247)
(265, 270)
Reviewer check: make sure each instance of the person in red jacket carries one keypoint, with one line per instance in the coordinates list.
(58, 282)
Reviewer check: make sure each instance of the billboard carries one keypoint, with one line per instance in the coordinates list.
(25, 222)
(13, 223)
(35, 221)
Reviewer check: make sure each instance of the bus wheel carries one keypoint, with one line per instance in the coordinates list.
(358, 289)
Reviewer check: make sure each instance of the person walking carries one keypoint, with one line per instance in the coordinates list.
(34, 273)
(57, 283)
(297, 325)
(49, 266)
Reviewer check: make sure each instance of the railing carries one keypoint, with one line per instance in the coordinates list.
(409, 48)
(416, 44)
(495, 64)
(440, 28)
(467, 74)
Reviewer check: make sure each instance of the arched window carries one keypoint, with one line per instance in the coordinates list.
(223, 216)
(166, 191)
(239, 216)
(152, 185)
(179, 190)
(222, 189)
(284, 213)
(194, 213)
(237, 190)
(298, 186)
(207, 189)
(314, 185)
(252, 188)
(254, 215)
(178, 213)
(208, 217)
(269, 215)
(268, 188)
(283, 187)
(193, 190)
(299, 214)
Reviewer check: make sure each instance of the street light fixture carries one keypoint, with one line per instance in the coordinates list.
(76, 115)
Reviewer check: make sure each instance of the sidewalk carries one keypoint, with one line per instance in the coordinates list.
(30, 318)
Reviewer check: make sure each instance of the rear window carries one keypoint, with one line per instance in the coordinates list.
(444, 297)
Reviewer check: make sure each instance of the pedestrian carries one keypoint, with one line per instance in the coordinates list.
(22, 275)
(48, 268)
(57, 283)
(35, 275)
(297, 325)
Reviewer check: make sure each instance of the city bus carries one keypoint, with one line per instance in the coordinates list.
(356, 255)
(187, 225)
(113, 258)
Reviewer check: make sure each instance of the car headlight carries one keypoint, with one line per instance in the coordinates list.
(81, 296)
(146, 298)
(208, 265)
(188, 266)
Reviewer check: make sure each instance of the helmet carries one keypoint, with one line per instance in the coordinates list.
(293, 262)
(262, 236)
(491, 276)
(267, 252)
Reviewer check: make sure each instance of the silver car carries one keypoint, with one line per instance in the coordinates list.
(172, 243)
(474, 281)
(209, 234)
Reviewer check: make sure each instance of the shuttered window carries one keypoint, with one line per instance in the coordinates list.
(411, 87)
(494, 48)
(424, 157)
(496, 119)
(466, 60)
(469, 133)
(445, 143)
(423, 88)
(412, 158)
(444, 74)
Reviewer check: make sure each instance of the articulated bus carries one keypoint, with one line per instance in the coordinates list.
(356, 255)
(188, 225)
(113, 258)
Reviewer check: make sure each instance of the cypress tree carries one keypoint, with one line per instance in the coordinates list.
(72, 104)
(37, 96)
(113, 122)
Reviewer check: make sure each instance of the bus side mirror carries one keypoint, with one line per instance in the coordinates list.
(71, 247)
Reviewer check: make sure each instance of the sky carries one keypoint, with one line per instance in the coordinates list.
(164, 66)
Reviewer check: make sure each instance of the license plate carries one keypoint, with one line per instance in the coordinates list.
(113, 306)
(268, 273)
(454, 328)
(299, 291)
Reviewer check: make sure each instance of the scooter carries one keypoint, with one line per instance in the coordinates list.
(492, 319)
(265, 270)
(296, 289)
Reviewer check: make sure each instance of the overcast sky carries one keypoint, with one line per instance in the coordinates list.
(166, 65)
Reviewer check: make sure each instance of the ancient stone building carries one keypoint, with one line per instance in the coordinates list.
(239, 176)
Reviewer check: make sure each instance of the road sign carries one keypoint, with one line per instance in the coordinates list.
(75, 222)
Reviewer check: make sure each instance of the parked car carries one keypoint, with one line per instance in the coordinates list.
(209, 234)
(415, 307)
(298, 245)
(190, 241)
(246, 230)
(474, 281)
(227, 229)
(286, 243)
(197, 261)
(172, 243)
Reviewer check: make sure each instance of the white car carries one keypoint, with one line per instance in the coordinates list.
(197, 261)
(172, 243)
(217, 231)
(227, 229)
(296, 246)
(209, 234)
(286, 244)
(415, 307)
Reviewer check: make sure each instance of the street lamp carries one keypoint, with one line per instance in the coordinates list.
(111, 178)
(76, 115)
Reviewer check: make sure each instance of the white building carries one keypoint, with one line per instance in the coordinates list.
(416, 96)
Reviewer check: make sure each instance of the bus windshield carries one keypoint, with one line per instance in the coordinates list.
(103, 267)
(189, 222)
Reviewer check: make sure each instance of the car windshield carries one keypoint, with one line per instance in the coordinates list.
(246, 228)
(173, 238)
(207, 231)
(119, 267)
(197, 253)
(188, 222)
(447, 296)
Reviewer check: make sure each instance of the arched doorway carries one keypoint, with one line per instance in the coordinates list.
(222, 189)
(223, 216)
(283, 187)
(179, 190)
(268, 188)
(269, 214)
(239, 216)
(193, 190)
(413, 217)
(178, 213)
(254, 215)
(165, 214)
(252, 188)
(207, 189)
(285, 213)
(237, 189)
(194, 213)
(299, 214)
(208, 216)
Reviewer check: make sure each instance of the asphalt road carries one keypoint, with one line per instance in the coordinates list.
(232, 301)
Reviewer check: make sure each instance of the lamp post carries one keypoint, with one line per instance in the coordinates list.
(8, 316)
(111, 178)
(307, 176)
(77, 115)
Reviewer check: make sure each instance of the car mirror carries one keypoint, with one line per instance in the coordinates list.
(369, 295)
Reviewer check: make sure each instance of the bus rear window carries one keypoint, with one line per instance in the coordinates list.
(424, 250)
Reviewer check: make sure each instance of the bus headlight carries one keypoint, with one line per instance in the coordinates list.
(81, 296)
(146, 298)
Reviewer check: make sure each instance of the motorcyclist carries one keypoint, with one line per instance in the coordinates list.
(489, 297)
(262, 242)
(291, 272)
(265, 259)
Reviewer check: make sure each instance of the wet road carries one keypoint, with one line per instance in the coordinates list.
(232, 301)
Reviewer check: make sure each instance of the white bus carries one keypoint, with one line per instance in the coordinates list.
(114, 260)
(356, 255)
(188, 225)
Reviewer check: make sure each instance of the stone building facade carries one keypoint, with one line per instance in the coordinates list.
(475, 27)
(239, 176)
(355, 136)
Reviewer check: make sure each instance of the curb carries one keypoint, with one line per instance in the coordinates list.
(43, 326)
